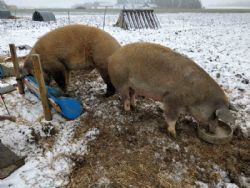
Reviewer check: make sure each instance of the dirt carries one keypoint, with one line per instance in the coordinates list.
(134, 149)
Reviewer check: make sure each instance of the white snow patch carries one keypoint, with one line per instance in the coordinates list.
(219, 43)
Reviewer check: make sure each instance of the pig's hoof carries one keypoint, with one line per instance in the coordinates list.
(172, 131)
(127, 105)
(127, 108)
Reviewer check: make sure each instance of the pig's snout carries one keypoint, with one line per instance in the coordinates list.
(224, 115)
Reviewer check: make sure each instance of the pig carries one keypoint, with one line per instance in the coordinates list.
(157, 72)
(73, 47)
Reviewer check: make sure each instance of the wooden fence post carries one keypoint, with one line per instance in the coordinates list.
(16, 68)
(68, 17)
(42, 89)
(104, 18)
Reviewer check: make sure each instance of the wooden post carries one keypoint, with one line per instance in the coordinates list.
(68, 17)
(16, 68)
(42, 89)
(104, 19)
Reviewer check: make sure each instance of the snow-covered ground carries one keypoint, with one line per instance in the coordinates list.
(220, 43)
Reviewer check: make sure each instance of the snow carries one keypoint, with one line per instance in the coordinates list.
(219, 43)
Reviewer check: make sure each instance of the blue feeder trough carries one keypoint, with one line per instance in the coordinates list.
(68, 107)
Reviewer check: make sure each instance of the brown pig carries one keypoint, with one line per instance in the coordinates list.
(157, 72)
(73, 47)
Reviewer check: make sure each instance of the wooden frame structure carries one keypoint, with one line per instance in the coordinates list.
(39, 77)
(138, 19)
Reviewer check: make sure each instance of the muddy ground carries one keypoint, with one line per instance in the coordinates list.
(135, 150)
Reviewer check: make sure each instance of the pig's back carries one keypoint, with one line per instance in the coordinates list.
(157, 69)
(63, 40)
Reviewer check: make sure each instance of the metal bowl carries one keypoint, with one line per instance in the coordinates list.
(223, 134)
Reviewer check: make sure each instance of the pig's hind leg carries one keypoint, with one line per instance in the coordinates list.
(171, 113)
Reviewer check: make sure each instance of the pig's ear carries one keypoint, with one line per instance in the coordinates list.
(224, 115)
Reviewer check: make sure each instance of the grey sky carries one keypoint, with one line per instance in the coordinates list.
(69, 3)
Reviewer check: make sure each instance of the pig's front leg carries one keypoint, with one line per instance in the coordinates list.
(171, 126)
(132, 96)
(126, 99)
(126, 103)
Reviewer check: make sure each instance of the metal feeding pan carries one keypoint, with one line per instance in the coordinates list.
(223, 134)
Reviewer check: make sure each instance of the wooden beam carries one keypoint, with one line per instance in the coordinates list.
(157, 21)
(144, 19)
(16, 68)
(134, 20)
(126, 21)
(42, 89)
(141, 20)
(129, 20)
(138, 19)
(152, 20)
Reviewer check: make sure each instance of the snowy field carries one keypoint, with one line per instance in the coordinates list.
(220, 43)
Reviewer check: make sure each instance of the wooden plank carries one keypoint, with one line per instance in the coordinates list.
(134, 20)
(154, 24)
(145, 20)
(157, 21)
(149, 20)
(138, 19)
(16, 68)
(141, 19)
(42, 89)
(153, 19)
(120, 21)
(130, 20)
(126, 20)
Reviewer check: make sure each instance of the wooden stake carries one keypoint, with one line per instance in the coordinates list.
(104, 19)
(68, 17)
(42, 89)
(16, 68)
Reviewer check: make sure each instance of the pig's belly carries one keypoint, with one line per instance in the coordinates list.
(147, 90)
